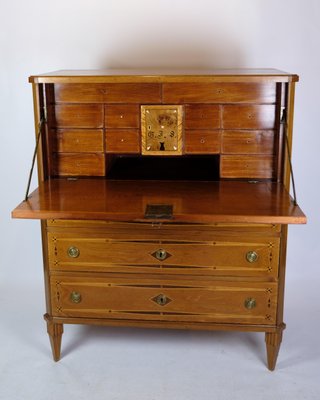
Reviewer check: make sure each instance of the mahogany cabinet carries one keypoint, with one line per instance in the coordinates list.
(163, 199)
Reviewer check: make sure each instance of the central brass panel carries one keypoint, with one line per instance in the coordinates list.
(161, 129)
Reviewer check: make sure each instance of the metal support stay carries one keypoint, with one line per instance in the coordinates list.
(283, 120)
(40, 126)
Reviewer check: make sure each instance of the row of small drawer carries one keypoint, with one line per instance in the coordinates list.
(196, 92)
(232, 116)
(231, 166)
(195, 141)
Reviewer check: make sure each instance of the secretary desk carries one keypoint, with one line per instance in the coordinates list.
(164, 199)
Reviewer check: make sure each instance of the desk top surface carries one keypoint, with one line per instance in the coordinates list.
(164, 76)
(193, 202)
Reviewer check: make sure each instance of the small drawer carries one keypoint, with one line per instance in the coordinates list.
(218, 92)
(107, 93)
(164, 299)
(202, 141)
(78, 140)
(122, 116)
(79, 116)
(122, 141)
(248, 116)
(231, 257)
(202, 116)
(241, 166)
(78, 164)
(248, 142)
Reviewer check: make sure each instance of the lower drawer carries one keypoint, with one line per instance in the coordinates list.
(163, 299)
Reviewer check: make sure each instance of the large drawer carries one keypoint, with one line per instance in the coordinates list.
(223, 254)
(163, 299)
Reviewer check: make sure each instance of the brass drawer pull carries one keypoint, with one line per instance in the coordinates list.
(161, 254)
(75, 297)
(250, 303)
(251, 256)
(73, 252)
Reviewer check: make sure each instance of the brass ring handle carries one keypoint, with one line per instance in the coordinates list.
(73, 252)
(75, 297)
(250, 303)
(161, 254)
(252, 256)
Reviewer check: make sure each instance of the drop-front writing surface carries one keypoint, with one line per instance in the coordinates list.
(206, 152)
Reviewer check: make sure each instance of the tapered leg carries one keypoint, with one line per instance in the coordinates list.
(273, 342)
(55, 332)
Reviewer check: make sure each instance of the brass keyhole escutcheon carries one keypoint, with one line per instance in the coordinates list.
(161, 254)
(162, 300)
(251, 256)
(73, 252)
(75, 297)
(250, 303)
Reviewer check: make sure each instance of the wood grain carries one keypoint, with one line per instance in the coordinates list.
(202, 116)
(225, 256)
(108, 93)
(122, 141)
(78, 116)
(78, 140)
(202, 142)
(78, 164)
(248, 142)
(248, 117)
(132, 298)
(219, 93)
(202, 202)
(122, 116)
(243, 166)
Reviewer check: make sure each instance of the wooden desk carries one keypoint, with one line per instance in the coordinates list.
(215, 259)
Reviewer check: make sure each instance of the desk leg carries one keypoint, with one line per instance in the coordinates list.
(273, 342)
(55, 332)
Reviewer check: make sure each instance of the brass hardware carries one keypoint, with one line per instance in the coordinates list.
(161, 129)
(161, 254)
(250, 303)
(161, 299)
(73, 252)
(159, 211)
(75, 297)
(251, 256)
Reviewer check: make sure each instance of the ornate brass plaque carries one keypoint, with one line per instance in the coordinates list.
(161, 130)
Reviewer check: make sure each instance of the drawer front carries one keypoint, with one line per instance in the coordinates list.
(166, 300)
(78, 140)
(122, 116)
(219, 92)
(248, 142)
(202, 141)
(79, 116)
(78, 164)
(202, 116)
(225, 256)
(108, 93)
(122, 141)
(249, 117)
(242, 166)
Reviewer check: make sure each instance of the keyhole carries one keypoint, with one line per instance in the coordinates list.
(162, 146)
